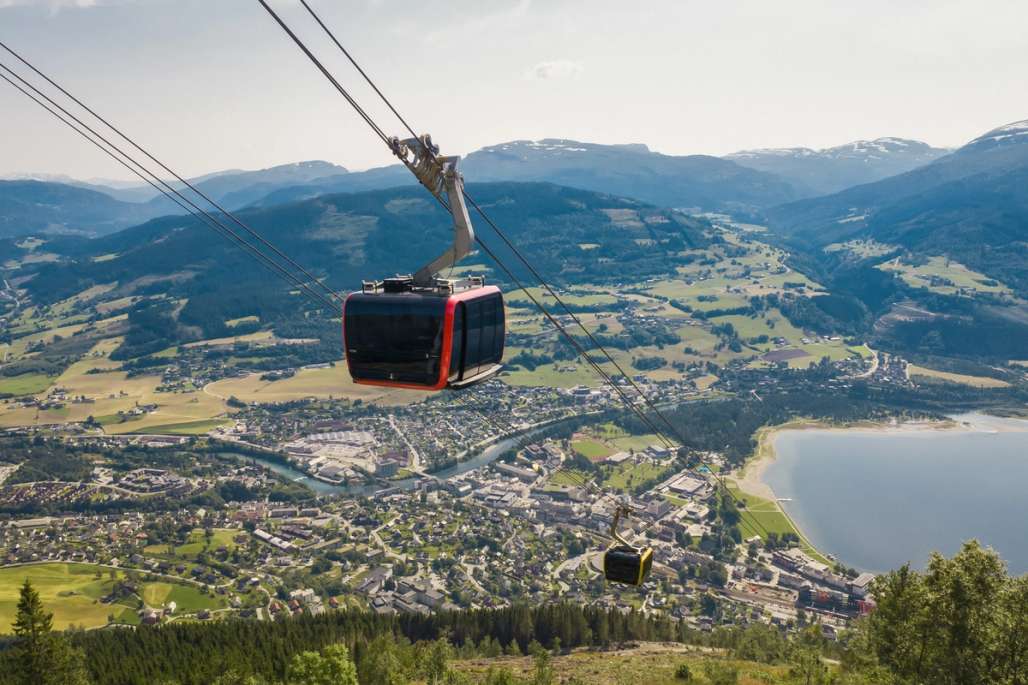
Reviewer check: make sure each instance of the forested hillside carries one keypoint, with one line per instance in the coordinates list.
(572, 235)
(971, 206)
(962, 621)
(28, 207)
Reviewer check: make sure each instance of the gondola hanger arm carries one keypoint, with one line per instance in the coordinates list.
(442, 177)
(622, 510)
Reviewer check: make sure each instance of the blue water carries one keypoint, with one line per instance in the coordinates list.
(486, 456)
(879, 499)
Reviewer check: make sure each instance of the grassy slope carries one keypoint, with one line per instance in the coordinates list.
(72, 592)
(730, 281)
(649, 664)
(962, 379)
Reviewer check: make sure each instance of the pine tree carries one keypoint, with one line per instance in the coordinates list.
(32, 626)
(43, 658)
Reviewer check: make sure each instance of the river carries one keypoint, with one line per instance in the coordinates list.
(877, 499)
(483, 457)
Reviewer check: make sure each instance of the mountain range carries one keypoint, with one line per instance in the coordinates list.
(38, 203)
(350, 237)
(236, 188)
(694, 181)
(744, 184)
(970, 205)
(29, 207)
(820, 172)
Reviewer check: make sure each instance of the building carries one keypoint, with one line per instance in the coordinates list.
(524, 475)
(861, 585)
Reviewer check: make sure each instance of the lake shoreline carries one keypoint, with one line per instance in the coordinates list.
(750, 477)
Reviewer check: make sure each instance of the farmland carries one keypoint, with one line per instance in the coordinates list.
(329, 382)
(73, 592)
(945, 276)
(702, 305)
(919, 372)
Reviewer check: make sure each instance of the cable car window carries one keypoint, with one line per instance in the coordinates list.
(499, 321)
(474, 336)
(487, 307)
(395, 338)
(457, 344)
(485, 327)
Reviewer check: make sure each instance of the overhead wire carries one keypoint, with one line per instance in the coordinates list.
(254, 234)
(368, 119)
(172, 194)
(378, 131)
(578, 347)
(496, 229)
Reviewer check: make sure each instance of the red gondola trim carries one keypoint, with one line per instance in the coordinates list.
(444, 360)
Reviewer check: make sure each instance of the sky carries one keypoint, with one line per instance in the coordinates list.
(215, 84)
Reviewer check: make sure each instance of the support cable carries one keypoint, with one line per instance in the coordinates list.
(167, 190)
(329, 291)
(517, 253)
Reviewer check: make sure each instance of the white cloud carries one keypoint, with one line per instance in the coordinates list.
(555, 69)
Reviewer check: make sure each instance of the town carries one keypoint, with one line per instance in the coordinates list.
(481, 501)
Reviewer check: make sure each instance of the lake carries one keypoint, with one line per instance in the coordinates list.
(877, 499)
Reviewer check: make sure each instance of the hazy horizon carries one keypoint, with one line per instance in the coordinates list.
(184, 77)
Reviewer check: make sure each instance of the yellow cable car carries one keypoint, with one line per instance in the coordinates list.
(623, 562)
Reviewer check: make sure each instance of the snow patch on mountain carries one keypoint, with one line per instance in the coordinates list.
(1006, 132)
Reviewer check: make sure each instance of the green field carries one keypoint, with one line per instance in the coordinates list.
(564, 374)
(959, 378)
(578, 296)
(197, 543)
(569, 477)
(25, 384)
(761, 514)
(607, 438)
(944, 276)
(188, 598)
(71, 591)
(591, 449)
(628, 476)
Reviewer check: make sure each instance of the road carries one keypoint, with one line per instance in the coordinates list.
(415, 458)
(377, 539)
(874, 364)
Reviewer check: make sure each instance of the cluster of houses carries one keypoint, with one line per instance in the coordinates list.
(154, 481)
(818, 585)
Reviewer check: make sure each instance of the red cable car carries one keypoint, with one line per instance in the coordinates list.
(400, 336)
(423, 332)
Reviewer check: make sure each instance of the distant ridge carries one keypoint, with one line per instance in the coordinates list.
(829, 170)
(629, 170)
(970, 205)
